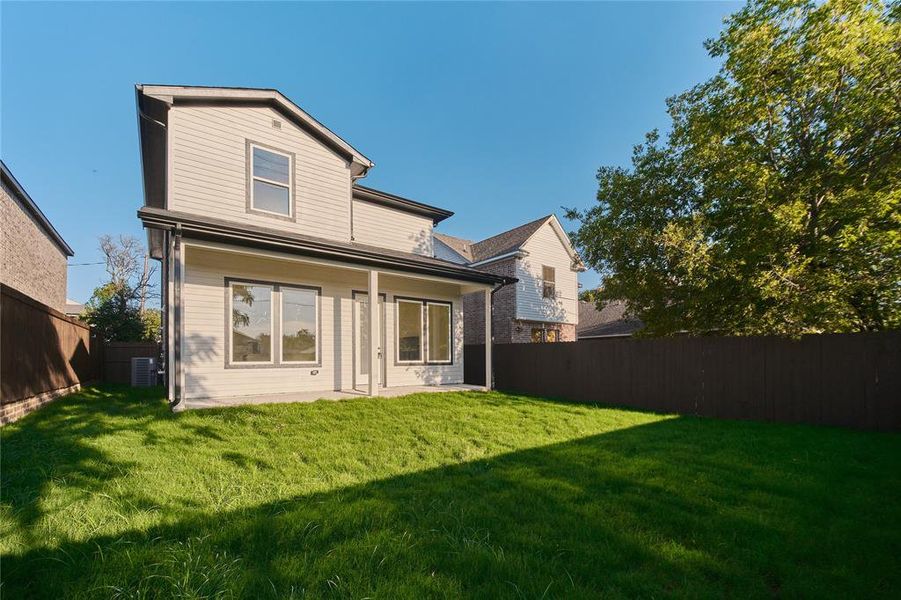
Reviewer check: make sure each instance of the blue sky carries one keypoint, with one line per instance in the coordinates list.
(499, 112)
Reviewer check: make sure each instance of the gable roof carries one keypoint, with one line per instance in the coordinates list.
(32, 208)
(506, 242)
(458, 245)
(610, 321)
(172, 94)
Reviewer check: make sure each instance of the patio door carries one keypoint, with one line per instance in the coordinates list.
(362, 355)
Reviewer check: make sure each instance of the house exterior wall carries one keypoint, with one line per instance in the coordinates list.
(31, 262)
(208, 169)
(389, 228)
(503, 308)
(205, 326)
(546, 248)
(522, 331)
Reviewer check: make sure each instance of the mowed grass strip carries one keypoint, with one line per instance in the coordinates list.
(108, 494)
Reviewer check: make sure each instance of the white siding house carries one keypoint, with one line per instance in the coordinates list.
(547, 248)
(271, 249)
(543, 304)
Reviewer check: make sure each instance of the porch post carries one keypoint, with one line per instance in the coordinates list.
(488, 371)
(374, 337)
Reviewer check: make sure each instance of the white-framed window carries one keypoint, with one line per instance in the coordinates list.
(299, 325)
(270, 181)
(548, 282)
(409, 331)
(251, 321)
(438, 323)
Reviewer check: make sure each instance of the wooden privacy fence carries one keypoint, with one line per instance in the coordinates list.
(851, 380)
(118, 355)
(41, 349)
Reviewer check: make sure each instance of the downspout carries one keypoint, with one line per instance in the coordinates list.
(163, 369)
(177, 317)
(507, 281)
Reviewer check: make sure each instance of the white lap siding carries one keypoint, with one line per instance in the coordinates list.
(208, 169)
(544, 248)
(388, 228)
(206, 327)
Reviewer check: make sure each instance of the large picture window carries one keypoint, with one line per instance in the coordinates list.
(272, 324)
(270, 186)
(424, 332)
(299, 325)
(439, 326)
(409, 331)
(251, 320)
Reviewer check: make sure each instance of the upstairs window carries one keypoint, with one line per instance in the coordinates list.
(548, 284)
(270, 186)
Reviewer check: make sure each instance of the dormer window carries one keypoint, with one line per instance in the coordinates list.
(271, 189)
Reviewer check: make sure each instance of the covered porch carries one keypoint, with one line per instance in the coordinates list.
(231, 334)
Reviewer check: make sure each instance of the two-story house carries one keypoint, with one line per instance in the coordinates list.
(271, 249)
(543, 305)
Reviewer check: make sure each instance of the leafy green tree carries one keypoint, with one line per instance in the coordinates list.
(592, 295)
(117, 309)
(774, 203)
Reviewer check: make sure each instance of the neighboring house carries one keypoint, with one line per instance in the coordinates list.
(271, 248)
(34, 254)
(609, 322)
(542, 305)
(73, 308)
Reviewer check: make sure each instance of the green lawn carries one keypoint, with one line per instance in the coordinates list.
(108, 494)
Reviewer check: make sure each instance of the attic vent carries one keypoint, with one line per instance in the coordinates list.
(143, 372)
(276, 124)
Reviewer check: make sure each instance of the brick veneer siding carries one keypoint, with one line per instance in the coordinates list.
(505, 328)
(522, 331)
(504, 307)
(30, 261)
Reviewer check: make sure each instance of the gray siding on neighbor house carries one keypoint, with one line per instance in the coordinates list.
(31, 262)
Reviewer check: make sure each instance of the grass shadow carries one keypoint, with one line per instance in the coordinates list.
(675, 507)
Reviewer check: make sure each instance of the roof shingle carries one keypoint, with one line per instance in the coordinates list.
(507, 241)
(611, 320)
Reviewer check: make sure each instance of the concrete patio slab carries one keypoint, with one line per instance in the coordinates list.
(388, 392)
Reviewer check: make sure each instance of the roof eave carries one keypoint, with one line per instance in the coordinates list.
(367, 194)
(162, 219)
(35, 211)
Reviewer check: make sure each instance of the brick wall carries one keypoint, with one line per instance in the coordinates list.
(30, 262)
(506, 329)
(522, 331)
(504, 308)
